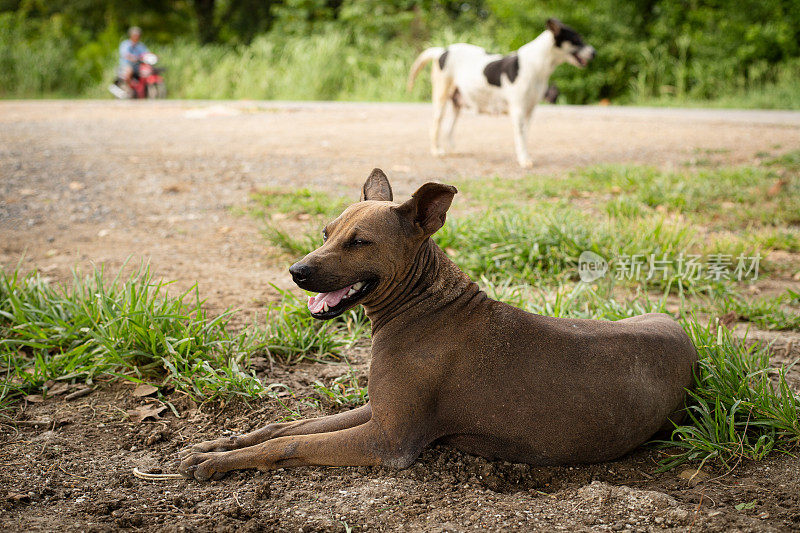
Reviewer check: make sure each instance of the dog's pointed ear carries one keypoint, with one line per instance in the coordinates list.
(427, 208)
(377, 187)
(554, 25)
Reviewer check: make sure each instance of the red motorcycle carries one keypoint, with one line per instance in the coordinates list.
(146, 81)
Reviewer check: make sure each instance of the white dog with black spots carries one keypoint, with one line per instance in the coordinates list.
(467, 76)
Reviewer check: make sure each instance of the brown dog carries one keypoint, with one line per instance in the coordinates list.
(451, 364)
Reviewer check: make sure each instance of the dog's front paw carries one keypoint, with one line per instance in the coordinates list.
(216, 445)
(201, 466)
(525, 163)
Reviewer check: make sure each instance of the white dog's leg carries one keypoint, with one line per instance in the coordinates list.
(520, 119)
(441, 96)
(451, 125)
(436, 127)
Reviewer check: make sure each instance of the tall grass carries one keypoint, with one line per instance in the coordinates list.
(125, 328)
(359, 60)
(541, 246)
(95, 327)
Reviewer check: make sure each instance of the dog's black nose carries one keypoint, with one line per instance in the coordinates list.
(300, 272)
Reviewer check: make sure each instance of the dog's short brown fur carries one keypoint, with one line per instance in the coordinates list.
(451, 364)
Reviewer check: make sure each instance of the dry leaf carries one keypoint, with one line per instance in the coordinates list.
(76, 185)
(140, 414)
(259, 364)
(177, 187)
(80, 393)
(694, 476)
(776, 188)
(34, 398)
(58, 388)
(16, 497)
(729, 319)
(144, 389)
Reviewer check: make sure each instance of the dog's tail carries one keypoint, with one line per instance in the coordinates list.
(423, 59)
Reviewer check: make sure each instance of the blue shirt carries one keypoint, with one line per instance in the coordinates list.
(128, 47)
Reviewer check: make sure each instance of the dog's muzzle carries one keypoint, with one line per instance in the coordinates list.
(584, 55)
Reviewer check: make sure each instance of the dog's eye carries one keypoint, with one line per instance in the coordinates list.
(358, 242)
(324, 235)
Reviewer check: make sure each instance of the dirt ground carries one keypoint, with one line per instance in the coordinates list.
(100, 182)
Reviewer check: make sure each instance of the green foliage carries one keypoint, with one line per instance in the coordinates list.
(659, 51)
(133, 329)
(44, 58)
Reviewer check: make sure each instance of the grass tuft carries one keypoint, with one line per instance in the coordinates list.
(292, 335)
(125, 328)
(295, 202)
(740, 408)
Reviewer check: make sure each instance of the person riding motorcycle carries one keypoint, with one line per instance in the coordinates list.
(132, 72)
(130, 51)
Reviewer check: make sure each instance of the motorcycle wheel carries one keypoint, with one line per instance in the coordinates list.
(157, 90)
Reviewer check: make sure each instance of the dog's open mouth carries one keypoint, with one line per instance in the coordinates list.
(326, 305)
(581, 61)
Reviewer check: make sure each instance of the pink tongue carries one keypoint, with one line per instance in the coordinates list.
(315, 303)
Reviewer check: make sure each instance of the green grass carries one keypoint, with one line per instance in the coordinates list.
(344, 391)
(766, 313)
(789, 160)
(131, 328)
(273, 205)
(293, 243)
(98, 328)
(722, 198)
(295, 202)
(740, 408)
(542, 245)
(292, 335)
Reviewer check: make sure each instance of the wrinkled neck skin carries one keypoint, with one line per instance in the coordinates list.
(432, 282)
